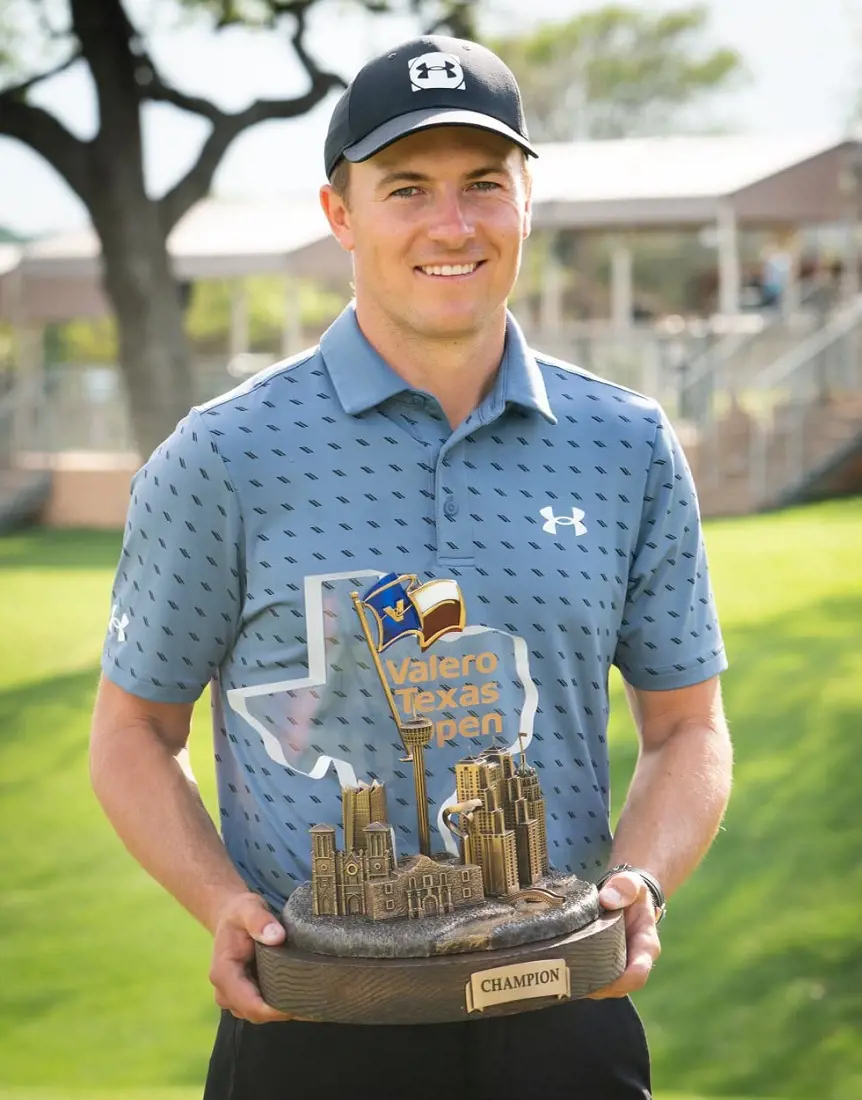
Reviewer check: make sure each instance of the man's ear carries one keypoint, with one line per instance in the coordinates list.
(338, 216)
(528, 219)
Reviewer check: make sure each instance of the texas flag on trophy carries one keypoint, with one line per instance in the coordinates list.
(402, 606)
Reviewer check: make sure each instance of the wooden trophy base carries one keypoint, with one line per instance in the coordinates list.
(444, 988)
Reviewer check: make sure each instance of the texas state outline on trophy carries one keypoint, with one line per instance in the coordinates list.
(379, 936)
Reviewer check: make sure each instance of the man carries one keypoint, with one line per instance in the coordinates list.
(423, 438)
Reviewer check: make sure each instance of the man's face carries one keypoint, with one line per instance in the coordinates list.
(435, 223)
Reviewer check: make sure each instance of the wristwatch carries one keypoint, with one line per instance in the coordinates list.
(652, 885)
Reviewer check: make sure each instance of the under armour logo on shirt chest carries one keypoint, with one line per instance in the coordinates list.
(552, 522)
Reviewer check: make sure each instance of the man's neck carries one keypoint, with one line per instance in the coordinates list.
(458, 372)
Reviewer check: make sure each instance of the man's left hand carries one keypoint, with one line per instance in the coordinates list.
(628, 891)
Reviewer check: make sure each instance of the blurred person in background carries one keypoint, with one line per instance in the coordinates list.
(775, 273)
(422, 435)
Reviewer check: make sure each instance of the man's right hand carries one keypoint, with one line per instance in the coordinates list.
(244, 920)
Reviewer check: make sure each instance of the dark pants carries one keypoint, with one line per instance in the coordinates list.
(583, 1050)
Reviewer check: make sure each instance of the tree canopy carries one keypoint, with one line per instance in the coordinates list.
(617, 71)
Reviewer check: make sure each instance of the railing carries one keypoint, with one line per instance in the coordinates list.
(724, 370)
(822, 374)
(695, 367)
(644, 357)
(75, 408)
(24, 420)
(83, 408)
(24, 427)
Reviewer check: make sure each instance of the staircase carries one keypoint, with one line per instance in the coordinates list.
(24, 488)
(790, 431)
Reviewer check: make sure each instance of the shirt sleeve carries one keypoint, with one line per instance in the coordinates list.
(177, 593)
(669, 635)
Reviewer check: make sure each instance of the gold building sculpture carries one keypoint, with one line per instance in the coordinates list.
(364, 879)
(504, 847)
(359, 807)
(506, 834)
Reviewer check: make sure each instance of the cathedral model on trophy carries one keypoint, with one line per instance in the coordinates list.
(375, 937)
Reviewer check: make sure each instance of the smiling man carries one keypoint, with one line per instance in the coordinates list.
(424, 439)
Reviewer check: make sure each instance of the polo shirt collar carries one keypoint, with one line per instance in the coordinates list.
(363, 379)
(520, 380)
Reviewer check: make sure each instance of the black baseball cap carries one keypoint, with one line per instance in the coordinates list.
(427, 82)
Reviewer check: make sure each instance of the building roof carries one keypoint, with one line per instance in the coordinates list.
(216, 239)
(679, 180)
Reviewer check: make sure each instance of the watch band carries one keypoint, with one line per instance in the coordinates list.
(652, 884)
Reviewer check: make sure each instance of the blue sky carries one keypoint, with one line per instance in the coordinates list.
(804, 61)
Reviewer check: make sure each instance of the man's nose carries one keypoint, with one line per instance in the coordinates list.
(451, 222)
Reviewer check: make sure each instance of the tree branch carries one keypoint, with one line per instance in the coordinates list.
(195, 184)
(18, 92)
(156, 89)
(48, 137)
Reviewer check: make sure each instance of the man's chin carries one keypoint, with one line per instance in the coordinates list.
(450, 327)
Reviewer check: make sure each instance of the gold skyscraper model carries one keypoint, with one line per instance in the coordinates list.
(359, 807)
(507, 834)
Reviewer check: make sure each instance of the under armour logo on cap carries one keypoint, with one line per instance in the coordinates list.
(436, 70)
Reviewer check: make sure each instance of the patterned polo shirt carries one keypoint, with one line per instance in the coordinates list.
(563, 510)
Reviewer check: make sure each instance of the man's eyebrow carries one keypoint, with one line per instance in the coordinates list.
(487, 170)
(400, 175)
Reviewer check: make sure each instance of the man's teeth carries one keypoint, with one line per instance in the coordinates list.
(451, 269)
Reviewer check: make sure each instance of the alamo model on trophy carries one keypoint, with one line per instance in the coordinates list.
(382, 937)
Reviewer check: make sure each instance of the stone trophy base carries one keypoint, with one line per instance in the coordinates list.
(451, 982)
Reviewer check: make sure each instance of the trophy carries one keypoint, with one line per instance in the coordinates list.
(480, 925)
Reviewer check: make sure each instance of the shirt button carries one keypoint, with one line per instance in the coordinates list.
(450, 508)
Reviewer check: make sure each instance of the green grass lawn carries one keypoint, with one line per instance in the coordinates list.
(103, 979)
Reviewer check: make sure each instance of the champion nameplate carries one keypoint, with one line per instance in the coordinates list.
(542, 978)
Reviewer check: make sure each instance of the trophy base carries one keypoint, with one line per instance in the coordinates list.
(485, 925)
(447, 988)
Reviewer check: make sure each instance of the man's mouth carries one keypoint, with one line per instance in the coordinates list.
(449, 271)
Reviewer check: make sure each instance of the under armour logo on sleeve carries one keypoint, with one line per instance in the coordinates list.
(553, 522)
(118, 624)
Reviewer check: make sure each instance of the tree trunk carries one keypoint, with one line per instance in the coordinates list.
(137, 273)
(154, 355)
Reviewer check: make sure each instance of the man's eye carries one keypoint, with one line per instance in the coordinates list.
(405, 193)
(486, 185)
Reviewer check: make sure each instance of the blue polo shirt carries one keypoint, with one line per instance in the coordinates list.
(563, 509)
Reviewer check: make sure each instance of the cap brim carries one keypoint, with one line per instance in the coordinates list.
(428, 119)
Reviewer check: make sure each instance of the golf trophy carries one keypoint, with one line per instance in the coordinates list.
(471, 920)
